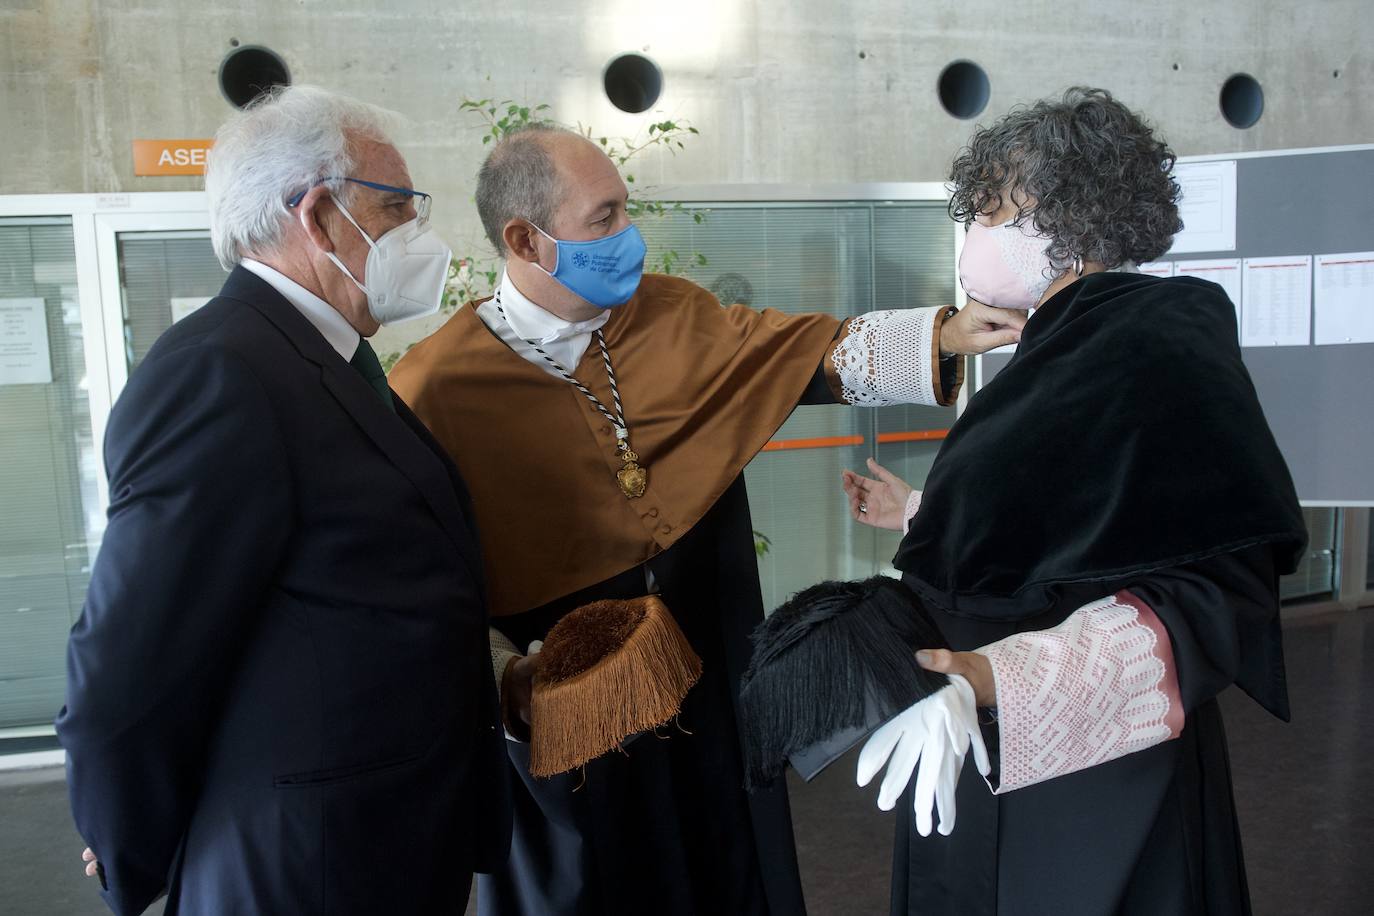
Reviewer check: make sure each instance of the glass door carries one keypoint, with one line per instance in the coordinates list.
(51, 483)
(87, 283)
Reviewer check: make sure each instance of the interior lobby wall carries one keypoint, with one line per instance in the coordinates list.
(781, 90)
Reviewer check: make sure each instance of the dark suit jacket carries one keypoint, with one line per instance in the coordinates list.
(279, 695)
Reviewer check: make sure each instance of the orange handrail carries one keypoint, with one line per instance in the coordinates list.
(915, 435)
(784, 445)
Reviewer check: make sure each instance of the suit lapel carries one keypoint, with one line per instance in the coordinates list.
(410, 455)
(392, 433)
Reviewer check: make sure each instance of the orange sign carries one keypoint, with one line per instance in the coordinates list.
(171, 157)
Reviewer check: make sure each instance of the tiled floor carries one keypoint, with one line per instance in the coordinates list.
(1305, 791)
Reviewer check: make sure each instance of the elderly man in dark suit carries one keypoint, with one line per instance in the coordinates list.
(280, 698)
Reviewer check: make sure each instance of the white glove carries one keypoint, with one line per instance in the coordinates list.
(938, 731)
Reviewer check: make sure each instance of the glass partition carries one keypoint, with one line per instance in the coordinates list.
(53, 518)
(842, 258)
(163, 277)
(1315, 577)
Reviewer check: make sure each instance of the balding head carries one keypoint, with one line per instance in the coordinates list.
(522, 178)
(545, 183)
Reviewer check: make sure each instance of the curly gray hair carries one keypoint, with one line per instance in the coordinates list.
(1096, 178)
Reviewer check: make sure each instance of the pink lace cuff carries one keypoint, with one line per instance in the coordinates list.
(913, 503)
(1099, 686)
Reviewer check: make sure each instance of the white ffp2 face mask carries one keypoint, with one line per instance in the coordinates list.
(406, 271)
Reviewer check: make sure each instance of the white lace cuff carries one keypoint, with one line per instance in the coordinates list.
(502, 651)
(1099, 686)
(913, 505)
(889, 357)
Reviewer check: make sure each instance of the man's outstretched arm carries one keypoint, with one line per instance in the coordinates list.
(912, 356)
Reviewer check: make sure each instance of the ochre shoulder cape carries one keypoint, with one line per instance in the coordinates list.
(703, 387)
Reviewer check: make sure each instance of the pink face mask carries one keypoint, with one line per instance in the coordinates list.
(1005, 266)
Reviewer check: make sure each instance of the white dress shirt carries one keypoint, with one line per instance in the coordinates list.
(327, 320)
(564, 341)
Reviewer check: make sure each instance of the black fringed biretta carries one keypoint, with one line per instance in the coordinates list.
(830, 666)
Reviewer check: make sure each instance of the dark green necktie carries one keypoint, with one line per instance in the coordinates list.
(365, 361)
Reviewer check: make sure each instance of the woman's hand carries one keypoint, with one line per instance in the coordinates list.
(880, 500)
(92, 865)
(972, 667)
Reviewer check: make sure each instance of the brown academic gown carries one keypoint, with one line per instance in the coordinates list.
(664, 827)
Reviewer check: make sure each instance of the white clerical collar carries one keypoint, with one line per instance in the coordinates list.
(533, 322)
(333, 326)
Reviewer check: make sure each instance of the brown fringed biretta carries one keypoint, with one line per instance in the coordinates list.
(704, 388)
(608, 670)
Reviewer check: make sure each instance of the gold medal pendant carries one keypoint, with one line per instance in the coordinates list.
(632, 478)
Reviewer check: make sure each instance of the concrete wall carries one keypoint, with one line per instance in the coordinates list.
(782, 90)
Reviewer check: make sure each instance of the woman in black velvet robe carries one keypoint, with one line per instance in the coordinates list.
(1100, 541)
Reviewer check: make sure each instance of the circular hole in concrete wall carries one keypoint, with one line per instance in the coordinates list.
(248, 71)
(633, 83)
(1242, 100)
(964, 89)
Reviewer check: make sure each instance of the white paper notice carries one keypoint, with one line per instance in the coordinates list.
(24, 356)
(1207, 206)
(1224, 272)
(1278, 302)
(1344, 298)
(1157, 268)
(185, 305)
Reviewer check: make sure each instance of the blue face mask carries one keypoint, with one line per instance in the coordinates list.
(606, 271)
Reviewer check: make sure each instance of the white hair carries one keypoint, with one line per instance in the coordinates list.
(278, 146)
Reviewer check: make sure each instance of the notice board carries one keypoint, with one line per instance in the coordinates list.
(1318, 397)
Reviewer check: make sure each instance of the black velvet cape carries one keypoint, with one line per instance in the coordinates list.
(1123, 437)
(1122, 448)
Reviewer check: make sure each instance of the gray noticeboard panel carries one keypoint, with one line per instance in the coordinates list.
(1319, 400)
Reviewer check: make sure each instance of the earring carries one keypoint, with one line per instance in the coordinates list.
(1078, 265)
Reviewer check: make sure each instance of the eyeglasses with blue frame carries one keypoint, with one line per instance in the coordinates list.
(422, 200)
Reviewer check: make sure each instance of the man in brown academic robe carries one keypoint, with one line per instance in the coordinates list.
(578, 382)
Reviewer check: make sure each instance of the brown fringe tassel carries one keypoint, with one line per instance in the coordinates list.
(637, 686)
